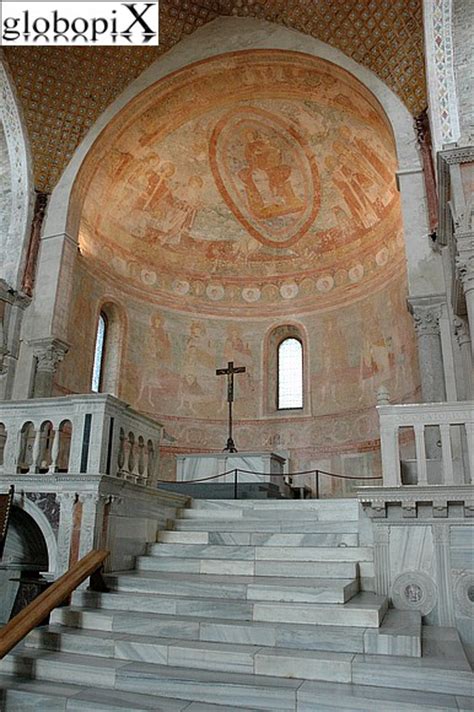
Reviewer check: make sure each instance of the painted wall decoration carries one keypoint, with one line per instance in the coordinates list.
(238, 195)
(255, 180)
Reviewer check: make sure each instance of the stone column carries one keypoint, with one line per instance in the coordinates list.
(463, 338)
(426, 313)
(48, 354)
(465, 272)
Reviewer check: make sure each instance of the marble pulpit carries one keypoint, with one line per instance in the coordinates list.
(197, 466)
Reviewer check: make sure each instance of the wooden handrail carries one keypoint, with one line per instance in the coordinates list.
(57, 593)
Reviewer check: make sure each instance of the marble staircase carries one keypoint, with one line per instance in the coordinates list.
(248, 605)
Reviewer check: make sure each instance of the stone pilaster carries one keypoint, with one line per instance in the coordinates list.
(48, 354)
(426, 313)
(463, 338)
(465, 271)
(445, 593)
(67, 501)
(382, 559)
(90, 501)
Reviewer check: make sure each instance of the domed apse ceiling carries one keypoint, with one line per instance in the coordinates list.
(257, 182)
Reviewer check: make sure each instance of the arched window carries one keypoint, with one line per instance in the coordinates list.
(290, 374)
(100, 342)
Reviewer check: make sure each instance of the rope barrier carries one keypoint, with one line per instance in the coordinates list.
(238, 470)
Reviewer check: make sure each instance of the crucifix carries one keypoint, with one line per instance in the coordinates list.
(229, 372)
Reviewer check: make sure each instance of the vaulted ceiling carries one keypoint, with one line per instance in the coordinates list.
(64, 90)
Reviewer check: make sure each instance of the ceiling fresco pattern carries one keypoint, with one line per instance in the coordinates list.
(255, 180)
(64, 90)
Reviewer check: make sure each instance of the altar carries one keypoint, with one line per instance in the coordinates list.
(267, 466)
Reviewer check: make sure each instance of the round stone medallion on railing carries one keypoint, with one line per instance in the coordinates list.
(415, 591)
(464, 594)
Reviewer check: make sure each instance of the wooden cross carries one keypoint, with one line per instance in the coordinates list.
(230, 371)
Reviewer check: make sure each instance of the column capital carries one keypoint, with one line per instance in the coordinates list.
(49, 353)
(461, 331)
(426, 312)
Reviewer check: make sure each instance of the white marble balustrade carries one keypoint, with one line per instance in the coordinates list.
(454, 422)
(83, 434)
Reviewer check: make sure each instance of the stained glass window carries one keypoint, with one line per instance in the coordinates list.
(290, 374)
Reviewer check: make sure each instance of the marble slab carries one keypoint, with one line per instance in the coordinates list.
(328, 553)
(205, 686)
(322, 696)
(306, 665)
(196, 466)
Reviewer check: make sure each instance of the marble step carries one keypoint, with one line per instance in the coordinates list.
(297, 525)
(234, 567)
(263, 553)
(363, 610)
(399, 634)
(338, 697)
(442, 668)
(218, 656)
(347, 508)
(247, 588)
(180, 536)
(235, 689)
(279, 538)
(24, 695)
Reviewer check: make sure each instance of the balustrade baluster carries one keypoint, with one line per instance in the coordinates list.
(36, 450)
(421, 454)
(55, 449)
(447, 455)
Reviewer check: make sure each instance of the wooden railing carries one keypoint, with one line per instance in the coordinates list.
(57, 593)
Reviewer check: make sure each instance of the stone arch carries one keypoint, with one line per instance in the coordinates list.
(14, 225)
(42, 524)
(27, 554)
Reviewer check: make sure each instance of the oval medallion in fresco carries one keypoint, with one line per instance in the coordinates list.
(266, 174)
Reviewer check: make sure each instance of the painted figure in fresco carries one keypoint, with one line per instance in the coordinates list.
(347, 182)
(158, 351)
(235, 349)
(197, 367)
(267, 178)
(185, 203)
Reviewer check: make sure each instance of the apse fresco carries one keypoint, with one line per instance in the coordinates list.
(237, 196)
(254, 179)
